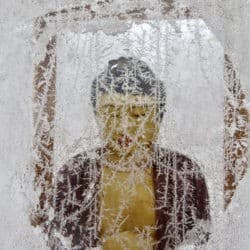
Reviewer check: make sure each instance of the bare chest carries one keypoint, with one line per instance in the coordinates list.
(127, 201)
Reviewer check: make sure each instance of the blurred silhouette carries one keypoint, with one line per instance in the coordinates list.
(130, 193)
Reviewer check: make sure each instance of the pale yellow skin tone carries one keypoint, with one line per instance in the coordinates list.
(129, 127)
(132, 116)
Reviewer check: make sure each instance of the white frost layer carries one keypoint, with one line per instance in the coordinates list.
(187, 57)
(16, 20)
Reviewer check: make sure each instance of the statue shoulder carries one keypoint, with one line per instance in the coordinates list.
(79, 163)
(177, 160)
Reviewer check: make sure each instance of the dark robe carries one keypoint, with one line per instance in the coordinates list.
(181, 202)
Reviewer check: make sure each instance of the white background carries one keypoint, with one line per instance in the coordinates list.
(228, 19)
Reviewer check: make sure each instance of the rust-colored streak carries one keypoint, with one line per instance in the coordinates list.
(43, 118)
(82, 13)
(235, 145)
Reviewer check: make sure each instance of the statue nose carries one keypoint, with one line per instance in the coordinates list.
(124, 140)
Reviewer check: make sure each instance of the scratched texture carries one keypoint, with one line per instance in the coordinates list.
(71, 76)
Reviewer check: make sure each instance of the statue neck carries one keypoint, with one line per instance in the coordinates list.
(137, 159)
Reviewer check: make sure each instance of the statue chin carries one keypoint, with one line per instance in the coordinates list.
(127, 239)
(133, 155)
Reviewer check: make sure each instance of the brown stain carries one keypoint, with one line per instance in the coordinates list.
(234, 149)
(43, 138)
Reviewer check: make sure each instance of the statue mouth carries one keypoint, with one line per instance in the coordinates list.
(124, 141)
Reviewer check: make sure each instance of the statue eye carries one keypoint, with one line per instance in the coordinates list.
(117, 115)
(139, 115)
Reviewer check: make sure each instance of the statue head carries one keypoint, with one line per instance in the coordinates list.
(129, 103)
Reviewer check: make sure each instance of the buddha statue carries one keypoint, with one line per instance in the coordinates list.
(130, 193)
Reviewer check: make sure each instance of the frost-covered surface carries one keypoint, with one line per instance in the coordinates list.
(16, 71)
(189, 62)
(237, 234)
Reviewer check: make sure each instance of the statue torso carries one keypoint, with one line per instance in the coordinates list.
(127, 207)
(180, 198)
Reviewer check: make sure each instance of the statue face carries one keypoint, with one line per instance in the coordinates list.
(128, 123)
